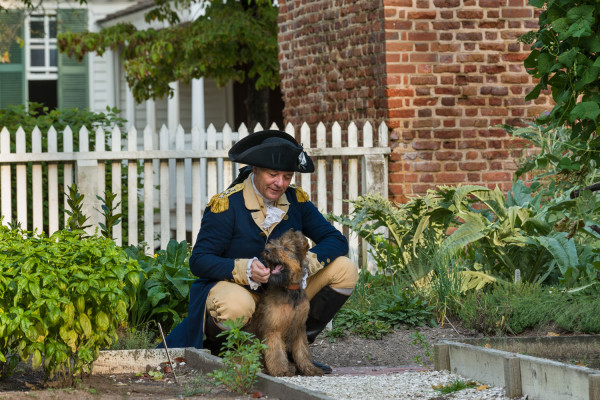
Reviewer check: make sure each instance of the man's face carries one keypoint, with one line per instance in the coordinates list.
(271, 183)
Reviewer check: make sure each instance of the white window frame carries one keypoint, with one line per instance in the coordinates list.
(46, 72)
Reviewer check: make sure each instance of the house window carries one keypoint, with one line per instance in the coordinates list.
(42, 59)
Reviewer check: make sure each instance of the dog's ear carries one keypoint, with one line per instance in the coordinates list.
(303, 244)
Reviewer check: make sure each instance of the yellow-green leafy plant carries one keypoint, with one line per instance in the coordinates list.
(62, 299)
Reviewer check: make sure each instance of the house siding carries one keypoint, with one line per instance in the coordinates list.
(452, 71)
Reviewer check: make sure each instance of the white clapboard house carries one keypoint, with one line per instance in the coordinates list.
(35, 71)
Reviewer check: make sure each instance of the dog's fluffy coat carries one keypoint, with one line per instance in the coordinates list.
(281, 313)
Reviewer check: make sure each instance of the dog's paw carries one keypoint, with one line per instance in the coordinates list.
(311, 370)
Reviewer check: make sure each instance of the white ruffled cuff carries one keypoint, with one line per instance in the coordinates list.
(253, 285)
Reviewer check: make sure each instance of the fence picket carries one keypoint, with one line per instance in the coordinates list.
(227, 165)
(132, 190)
(337, 178)
(148, 192)
(305, 179)
(21, 181)
(5, 179)
(211, 164)
(321, 170)
(37, 185)
(352, 186)
(180, 186)
(52, 183)
(68, 168)
(196, 185)
(165, 191)
(115, 186)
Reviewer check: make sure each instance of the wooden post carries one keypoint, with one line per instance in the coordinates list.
(594, 386)
(86, 175)
(512, 377)
(441, 356)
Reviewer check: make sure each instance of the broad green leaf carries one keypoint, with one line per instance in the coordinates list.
(134, 278)
(545, 63)
(581, 19)
(474, 280)
(562, 249)
(583, 110)
(36, 360)
(463, 191)
(470, 231)
(568, 57)
(86, 325)
(494, 199)
(423, 224)
(532, 59)
(80, 304)
(102, 321)
(589, 75)
(561, 25)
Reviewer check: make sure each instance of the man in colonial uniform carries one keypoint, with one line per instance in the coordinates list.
(261, 204)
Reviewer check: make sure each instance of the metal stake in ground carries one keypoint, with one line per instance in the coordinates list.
(167, 351)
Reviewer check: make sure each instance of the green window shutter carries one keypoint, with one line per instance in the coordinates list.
(72, 74)
(12, 74)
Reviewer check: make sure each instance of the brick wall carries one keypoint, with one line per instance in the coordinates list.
(452, 71)
(332, 61)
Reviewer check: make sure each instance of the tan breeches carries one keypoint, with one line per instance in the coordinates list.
(227, 300)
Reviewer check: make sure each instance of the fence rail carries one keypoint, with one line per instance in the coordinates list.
(169, 175)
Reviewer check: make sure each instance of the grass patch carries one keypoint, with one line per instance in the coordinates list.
(455, 386)
(134, 338)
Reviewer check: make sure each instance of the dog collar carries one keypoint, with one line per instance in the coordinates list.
(294, 286)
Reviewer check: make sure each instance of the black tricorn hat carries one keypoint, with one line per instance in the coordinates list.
(272, 149)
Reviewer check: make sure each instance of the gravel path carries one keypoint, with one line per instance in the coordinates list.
(410, 385)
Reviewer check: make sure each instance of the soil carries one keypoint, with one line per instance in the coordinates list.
(398, 349)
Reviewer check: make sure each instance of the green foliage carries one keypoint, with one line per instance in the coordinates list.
(456, 386)
(242, 353)
(36, 114)
(62, 298)
(406, 308)
(77, 218)
(565, 57)
(515, 308)
(108, 211)
(384, 308)
(421, 340)
(131, 338)
(231, 41)
(492, 236)
(165, 281)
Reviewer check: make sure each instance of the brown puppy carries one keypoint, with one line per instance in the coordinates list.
(280, 316)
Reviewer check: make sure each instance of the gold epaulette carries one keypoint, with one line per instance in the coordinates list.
(301, 195)
(220, 202)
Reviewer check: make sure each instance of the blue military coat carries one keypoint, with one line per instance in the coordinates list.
(231, 234)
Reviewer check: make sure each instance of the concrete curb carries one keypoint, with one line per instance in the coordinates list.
(135, 361)
(520, 375)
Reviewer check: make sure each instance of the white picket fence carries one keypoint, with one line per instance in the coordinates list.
(181, 171)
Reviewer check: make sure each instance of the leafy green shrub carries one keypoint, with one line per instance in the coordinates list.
(62, 298)
(165, 281)
(242, 354)
(406, 308)
(565, 55)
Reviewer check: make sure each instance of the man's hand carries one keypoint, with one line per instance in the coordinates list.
(259, 273)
